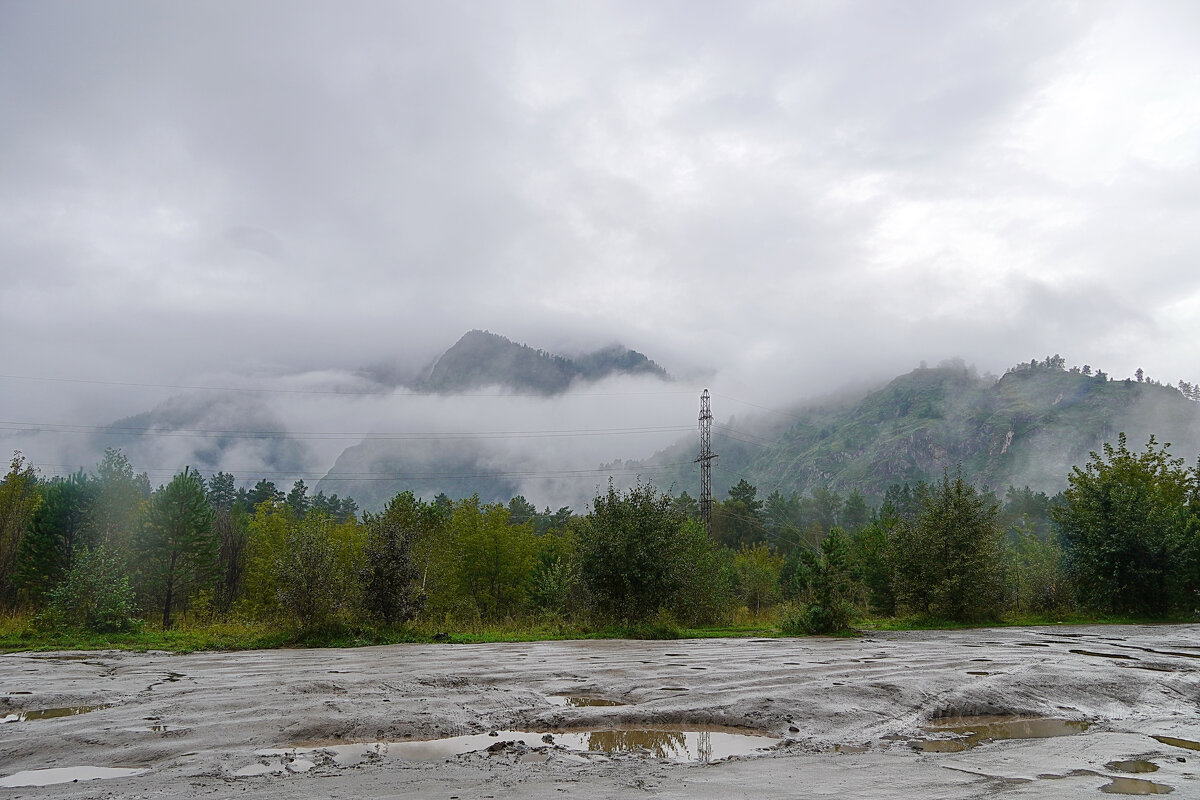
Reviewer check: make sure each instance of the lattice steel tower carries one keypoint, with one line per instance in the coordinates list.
(705, 460)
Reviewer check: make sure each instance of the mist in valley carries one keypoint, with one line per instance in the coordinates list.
(238, 239)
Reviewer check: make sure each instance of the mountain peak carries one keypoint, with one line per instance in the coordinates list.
(482, 358)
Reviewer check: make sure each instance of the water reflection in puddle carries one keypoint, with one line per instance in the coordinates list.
(697, 745)
(46, 777)
(49, 713)
(1186, 744)
(1134, 786)
(972, 731)
(1133, 765)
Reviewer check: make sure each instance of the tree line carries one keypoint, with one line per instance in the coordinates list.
(102, 551)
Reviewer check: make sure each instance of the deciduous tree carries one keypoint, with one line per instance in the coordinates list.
(639, 555)
(1130, 526)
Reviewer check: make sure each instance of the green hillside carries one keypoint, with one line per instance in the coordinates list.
(1027, 428)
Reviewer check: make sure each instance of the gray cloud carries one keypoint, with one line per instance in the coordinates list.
(789, 195)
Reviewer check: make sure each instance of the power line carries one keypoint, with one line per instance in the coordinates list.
(743, 436)
(760, 407)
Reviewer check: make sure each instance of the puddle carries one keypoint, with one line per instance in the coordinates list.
(280, 767)
(973, 731)
(1186, 744)
(977, 672)
(942, 745)
(1120, 656)
(673, 689)
(1134, 786)
(49, 713)
(583, 701)
(702, 745)
(46, 777)
(1133, 765)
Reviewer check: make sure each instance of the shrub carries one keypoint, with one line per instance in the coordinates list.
(814, 618)
(758, 571)
(310, 577)
(95, 596)
(1041, 583)
(826, 590)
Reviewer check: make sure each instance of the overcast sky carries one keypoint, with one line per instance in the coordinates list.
(791, 195)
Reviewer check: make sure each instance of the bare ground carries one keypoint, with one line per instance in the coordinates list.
(194, 721)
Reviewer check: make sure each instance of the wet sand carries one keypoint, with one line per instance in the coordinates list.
(888, 715)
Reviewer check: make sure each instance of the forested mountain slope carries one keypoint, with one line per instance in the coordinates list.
(1027, 428)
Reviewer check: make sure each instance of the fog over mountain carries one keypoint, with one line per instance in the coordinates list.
(1027, 428)
(309, 205)
(490, 416)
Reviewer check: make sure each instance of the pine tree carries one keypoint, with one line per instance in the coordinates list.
(948, 562)
(178, 548)
(59, 526)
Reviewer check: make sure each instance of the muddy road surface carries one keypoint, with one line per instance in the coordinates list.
(1020, 712)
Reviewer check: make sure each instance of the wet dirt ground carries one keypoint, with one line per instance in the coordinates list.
(1019, 712)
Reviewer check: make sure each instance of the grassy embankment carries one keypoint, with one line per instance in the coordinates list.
(18, 632)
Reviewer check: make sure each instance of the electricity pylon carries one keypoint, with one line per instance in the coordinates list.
(705, 460)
